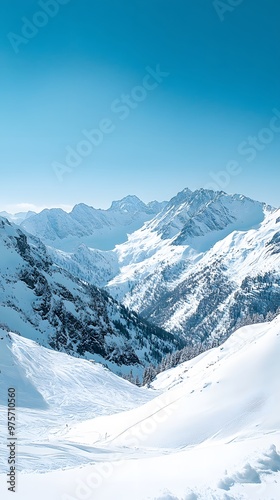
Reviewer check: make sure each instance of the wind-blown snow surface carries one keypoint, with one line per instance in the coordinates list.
(212, 433)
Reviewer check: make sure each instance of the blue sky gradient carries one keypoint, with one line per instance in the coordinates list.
(221, 93)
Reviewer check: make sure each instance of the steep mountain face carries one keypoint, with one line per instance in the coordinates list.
(195, 219)
(95, 228)
(47, 304)
(207, 264)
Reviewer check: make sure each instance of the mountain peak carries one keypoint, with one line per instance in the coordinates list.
(181, 197)
(128, 203)
(81, 208)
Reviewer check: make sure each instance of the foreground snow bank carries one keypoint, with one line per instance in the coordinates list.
(210, 431)
(53, 392)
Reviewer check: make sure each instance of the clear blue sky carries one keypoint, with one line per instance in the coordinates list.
(222, 87)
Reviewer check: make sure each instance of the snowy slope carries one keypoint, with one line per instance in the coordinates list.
(96, 228)
(47, 304)
(212, 434)
(54, 390)
(230, 391)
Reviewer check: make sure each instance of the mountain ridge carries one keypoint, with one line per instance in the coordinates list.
(94, 227)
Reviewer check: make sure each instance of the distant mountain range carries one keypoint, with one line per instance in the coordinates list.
(84, 224)
(198, 266)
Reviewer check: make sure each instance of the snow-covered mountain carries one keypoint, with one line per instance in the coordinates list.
(205, 265)
(95, 228)
(208, 263)
(210, 431)
(47, 304)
